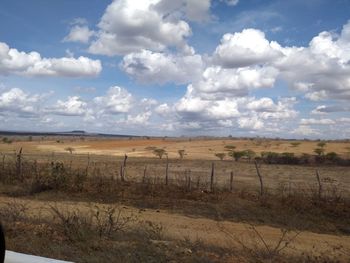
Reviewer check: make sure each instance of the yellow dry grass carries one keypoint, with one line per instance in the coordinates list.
(194, 148)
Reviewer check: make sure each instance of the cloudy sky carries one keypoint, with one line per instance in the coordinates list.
(187, 67)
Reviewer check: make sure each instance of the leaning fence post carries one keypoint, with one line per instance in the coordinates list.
(212, 177)
(260, 178)
(122, 168)
(319, 184)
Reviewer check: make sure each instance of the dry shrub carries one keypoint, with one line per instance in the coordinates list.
(258, 249)
(14, 211)
(99, 221)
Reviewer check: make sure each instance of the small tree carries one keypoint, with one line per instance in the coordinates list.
(250, 154)
(70, 149)
(321, 144)
(221, 156)
(181, 153)
(237, 155)
(229, 147)
(295, 144)
(319, 151)
(159, 152)
(332, 156)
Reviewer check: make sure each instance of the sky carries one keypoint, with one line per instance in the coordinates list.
(247, 68)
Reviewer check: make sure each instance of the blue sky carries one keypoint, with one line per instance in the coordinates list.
(189, 67)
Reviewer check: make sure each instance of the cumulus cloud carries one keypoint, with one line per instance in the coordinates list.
(73, 106)
(193, 10)
(218, 82)
(316, 122)
(13, 61)
(322, 69)
(139, 119)
(80, 34)
(230, 2)
(117, 100)
(252, 123)
(249, 47)
(16, 101)
(160, 68)
(130, 26)
(323, 109)
(163, 110)
(305, 130)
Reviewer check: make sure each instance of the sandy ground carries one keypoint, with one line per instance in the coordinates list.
(210, 232)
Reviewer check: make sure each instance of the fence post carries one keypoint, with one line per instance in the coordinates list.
(166, 170)
(319, 185)
(231, 181)
(122, 169)
(260, 178)
(19, 165)
(144, 174)
(189, 182)
(212, 177)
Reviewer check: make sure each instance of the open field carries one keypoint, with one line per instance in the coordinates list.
(87, 206)
(194, 148)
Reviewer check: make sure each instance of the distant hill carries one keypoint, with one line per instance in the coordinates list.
(67, 133)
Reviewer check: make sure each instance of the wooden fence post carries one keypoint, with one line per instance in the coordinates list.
(189, 182)
(231, 181)
(260, 178)
(144, 174)
(319, 185)
(19, 165)
(122, 169)
(212, 177)
(166, 170)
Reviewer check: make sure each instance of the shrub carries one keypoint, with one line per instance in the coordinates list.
(6, 140)
(159, 153)
(181, 153)
(230, 147)
(237, 155)
(332, 157)
(319, 151)
(321, 144)
(250, 154)
(70, 149)
(221, 156)
(295, 144)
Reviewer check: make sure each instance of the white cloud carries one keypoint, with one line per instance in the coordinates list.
(230, 2)
(316, 122)
(160, 68)
(323, 66)
(305, 131)
(163, 110)
(139, 119)
(130, 26)
(194, 10)
(73, 106)
(80, 34)
(218, 82)
(13, 61)
(191, 107)
(16, 101)
(117, 100)
(252, 123)
(249, 47)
